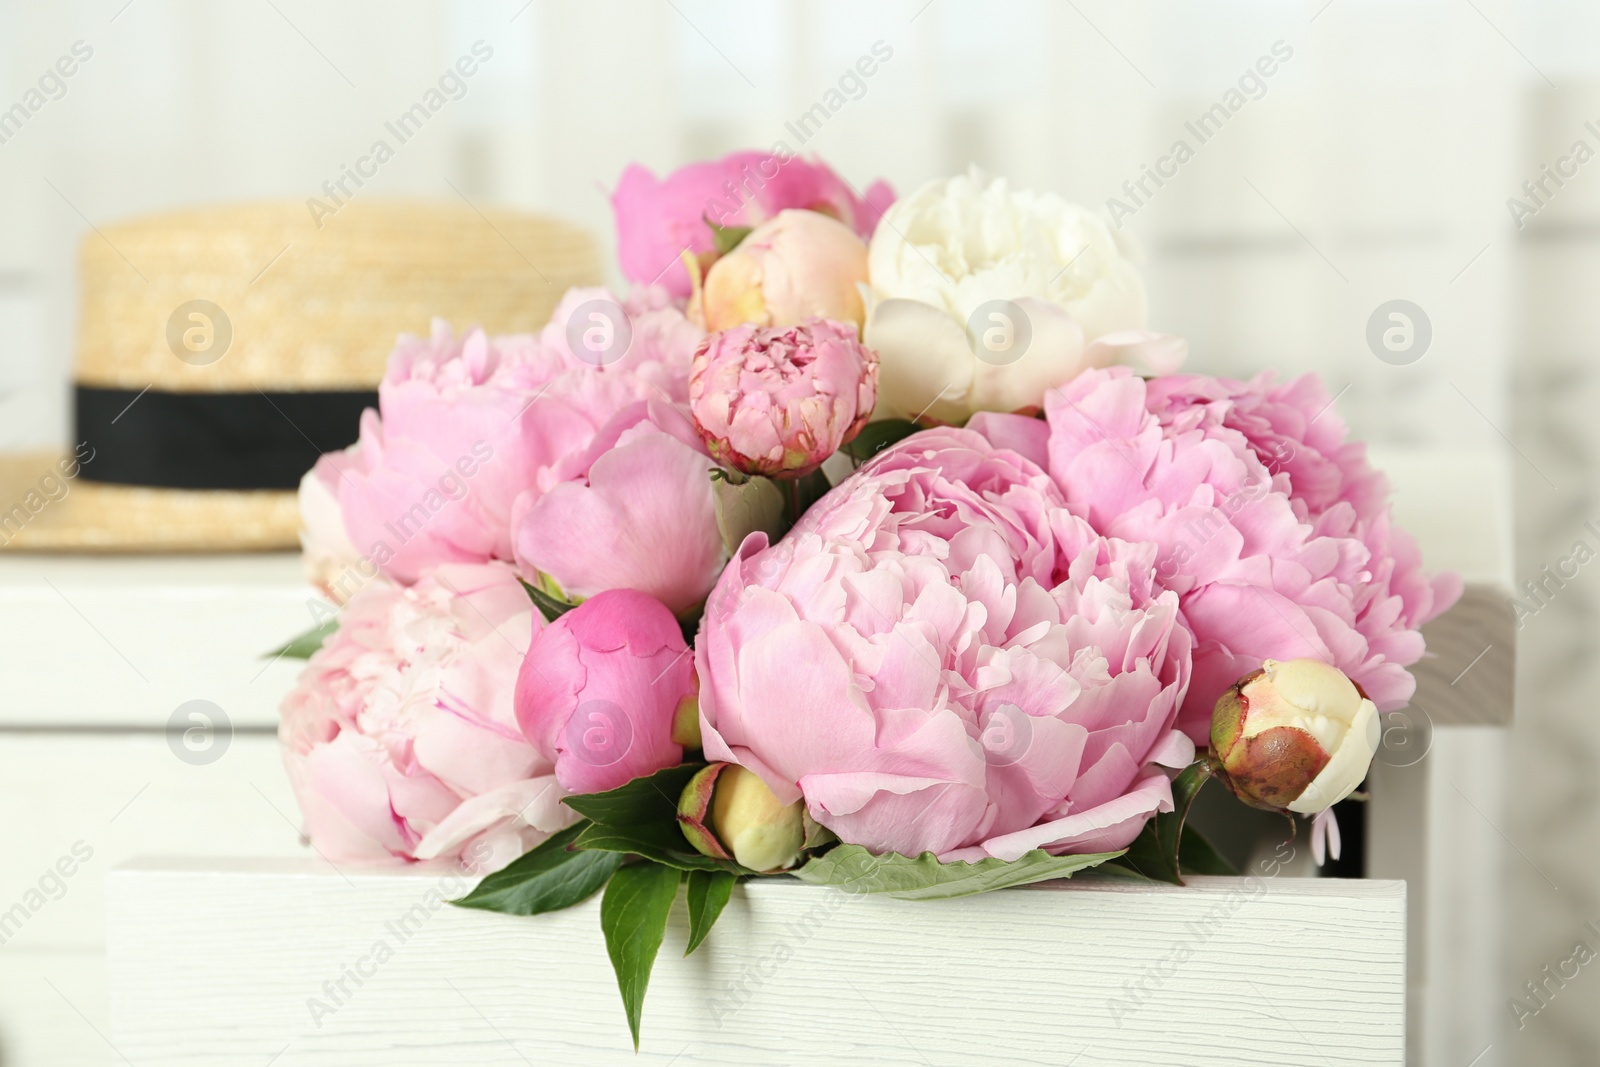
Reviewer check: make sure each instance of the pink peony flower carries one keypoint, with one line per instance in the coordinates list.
(1272, 528)
(659, 218)
(779, 402)
(600, 687)
(634, 509)
(797, 266)
(471, 424)
(401, 736)
(940, 657)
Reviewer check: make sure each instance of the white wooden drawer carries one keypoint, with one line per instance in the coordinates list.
(116, 796)
(122, 641)
(227, 963)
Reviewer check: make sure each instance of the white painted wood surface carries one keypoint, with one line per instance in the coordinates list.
(99, 654)
(120, 641)
(1439, 826)
(1459, 509)
(239, 962)
(111, 796)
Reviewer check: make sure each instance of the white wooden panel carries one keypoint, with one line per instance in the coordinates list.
(123, 640)
(116, 796)
(1458, 505)
(226, 963)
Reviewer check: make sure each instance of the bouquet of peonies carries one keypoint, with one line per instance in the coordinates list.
(872, 542)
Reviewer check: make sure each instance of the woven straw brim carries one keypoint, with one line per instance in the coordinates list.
(312, 308)
(96, 517)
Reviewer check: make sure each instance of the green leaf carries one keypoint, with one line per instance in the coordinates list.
(1200, 856)
(1154, 853)
(633, 916)
(550, 606)
(817, 835)
(708, 894)
(668, 848)
(651, 799)
(1143, 858)
(743, 508)
(877, 436)
(641, 817)
(856, 870)
(549, 878)
(301, 647)
(726, 238)
(1114, 871)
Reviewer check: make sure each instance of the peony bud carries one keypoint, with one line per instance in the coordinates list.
(778, 402)
(727, 812)
(795, 266)
(600, 687)
(1294, 736)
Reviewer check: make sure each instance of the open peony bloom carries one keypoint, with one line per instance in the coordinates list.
(1295, 736)
(797, 266)
(634, 509)
(401, 736)
(778, 402)
(470, 424)
(940, 657)
(984, 296)
(1272, 528)
(599, 689)
(659, 218)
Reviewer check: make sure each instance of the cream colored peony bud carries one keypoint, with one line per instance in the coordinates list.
(727, 812)
(1294, 736)
(797, 265)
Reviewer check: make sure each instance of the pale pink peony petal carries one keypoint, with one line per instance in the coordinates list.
(939, 654)
(471, 425)
(1270, 526)
(403, 720)
(508, 821)
(644, 519)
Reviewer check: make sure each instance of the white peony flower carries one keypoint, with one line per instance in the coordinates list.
(983, 297)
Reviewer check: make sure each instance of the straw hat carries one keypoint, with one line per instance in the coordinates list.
(220, 350)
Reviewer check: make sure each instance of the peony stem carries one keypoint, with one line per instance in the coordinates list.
(794, 499)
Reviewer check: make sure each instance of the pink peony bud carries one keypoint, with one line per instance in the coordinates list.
(1294, 736)
(728, 812)
(795, 266)
(780, 401)
(600, 687)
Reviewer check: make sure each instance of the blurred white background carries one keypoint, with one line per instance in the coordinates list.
(1375, 164)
